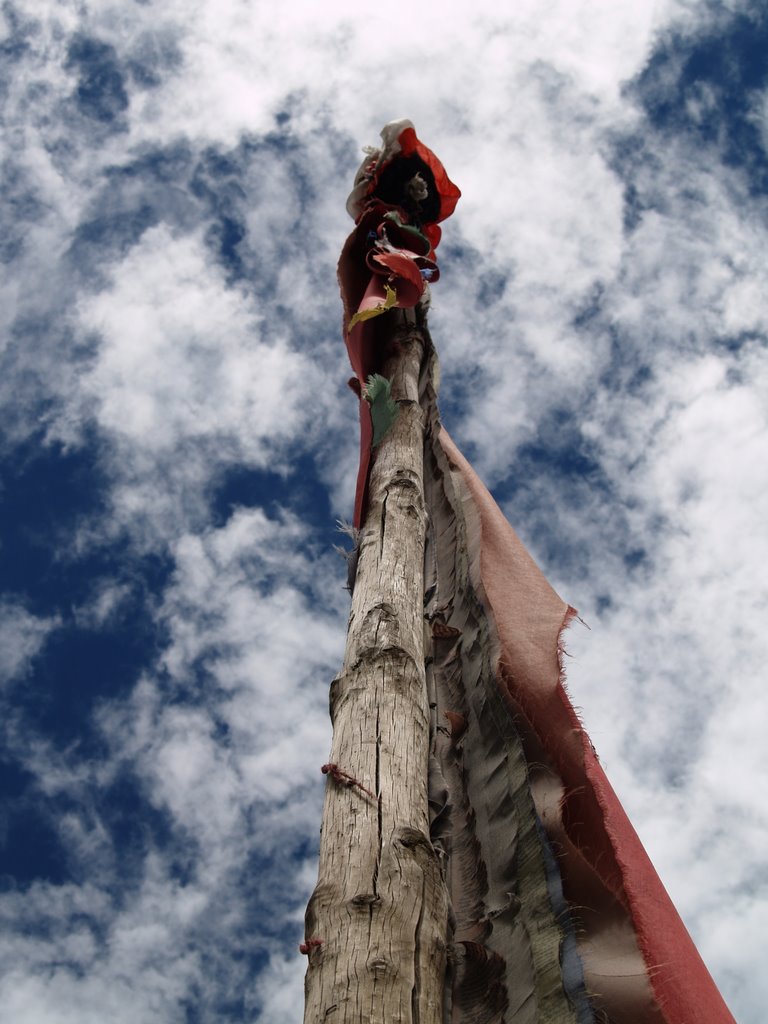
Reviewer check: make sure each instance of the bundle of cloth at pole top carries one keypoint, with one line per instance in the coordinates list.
(401, 193)
(558, 914)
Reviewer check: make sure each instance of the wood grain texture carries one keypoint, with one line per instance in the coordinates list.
(380, 906)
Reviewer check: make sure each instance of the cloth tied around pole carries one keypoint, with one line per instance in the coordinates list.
(401, 192)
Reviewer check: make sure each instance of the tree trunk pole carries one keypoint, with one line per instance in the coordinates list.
(376, 924)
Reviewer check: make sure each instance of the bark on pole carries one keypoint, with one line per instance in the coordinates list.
(376, 924)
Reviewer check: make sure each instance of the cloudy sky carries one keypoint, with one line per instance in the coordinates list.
(177, 442)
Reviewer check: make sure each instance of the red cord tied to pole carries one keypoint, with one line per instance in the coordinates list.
(310, 944)
(343, 778)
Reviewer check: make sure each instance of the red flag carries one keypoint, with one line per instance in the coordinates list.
(639, 962)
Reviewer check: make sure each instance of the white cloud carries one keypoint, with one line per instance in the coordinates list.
(252, 654)
(671, 677)
(185, 375)
(103, 605)
(228, 83)
(183, 357)
(280, 991)
(77, 956)
(22, 637)
(188, 379)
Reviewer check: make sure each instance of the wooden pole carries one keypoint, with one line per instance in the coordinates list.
(376, 924)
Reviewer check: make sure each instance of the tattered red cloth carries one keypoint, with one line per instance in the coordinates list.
(607, 876)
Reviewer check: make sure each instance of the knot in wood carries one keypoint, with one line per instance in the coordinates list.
(333, 695)
(409, 334)
(363, 900)
(405, 480)
(408, 494)
(412, 839)
(379, 967)
(379, 614)
(380, 628)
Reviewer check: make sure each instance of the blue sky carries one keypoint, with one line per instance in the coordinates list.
(177, 442)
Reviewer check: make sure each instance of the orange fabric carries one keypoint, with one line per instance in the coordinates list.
(404, 276)
(449, 193)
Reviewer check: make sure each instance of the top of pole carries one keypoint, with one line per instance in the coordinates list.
(401, 193)
(404, 173)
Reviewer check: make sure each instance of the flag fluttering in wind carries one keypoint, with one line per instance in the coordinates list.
(557, 913)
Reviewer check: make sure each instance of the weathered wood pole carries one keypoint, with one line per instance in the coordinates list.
(376, 925)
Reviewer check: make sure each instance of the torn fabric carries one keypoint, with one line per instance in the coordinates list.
(544, 867)
(401, 192)
(384, 411)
